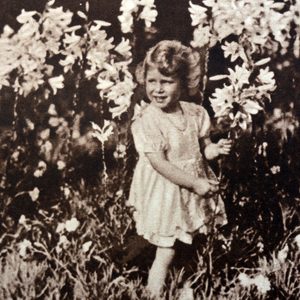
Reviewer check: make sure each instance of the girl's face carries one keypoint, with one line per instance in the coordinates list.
(162, 91)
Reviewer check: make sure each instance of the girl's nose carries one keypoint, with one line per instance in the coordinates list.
(158, 87)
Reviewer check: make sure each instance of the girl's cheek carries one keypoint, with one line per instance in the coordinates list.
(149, 88)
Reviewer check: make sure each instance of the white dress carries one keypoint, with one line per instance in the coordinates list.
(165, 211)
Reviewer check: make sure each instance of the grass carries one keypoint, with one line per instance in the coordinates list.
(84, 247)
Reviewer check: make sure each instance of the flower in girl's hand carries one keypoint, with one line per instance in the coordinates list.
(240, 120)
(234, 50)
(236, 103)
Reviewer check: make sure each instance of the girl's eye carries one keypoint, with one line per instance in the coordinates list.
(168, 81)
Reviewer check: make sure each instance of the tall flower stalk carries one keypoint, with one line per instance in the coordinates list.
(102, 135)
(85, 53)
(243, 96)
(264, 28)
(244, 31)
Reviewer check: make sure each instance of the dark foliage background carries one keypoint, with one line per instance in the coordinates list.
(260, 183)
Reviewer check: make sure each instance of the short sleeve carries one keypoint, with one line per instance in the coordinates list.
(203, 123)
(147, 134)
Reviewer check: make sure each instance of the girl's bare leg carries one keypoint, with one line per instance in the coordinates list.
(159, 270)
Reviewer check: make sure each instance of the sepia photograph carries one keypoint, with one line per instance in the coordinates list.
(149, 150)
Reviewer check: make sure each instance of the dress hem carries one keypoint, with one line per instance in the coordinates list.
(169, 241)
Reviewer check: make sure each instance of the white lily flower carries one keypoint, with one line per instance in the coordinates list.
(118, 110)
(124, 47)
(63, 241)
(60, 227)
(67, 192)
(241, 120)
(61, 165)
(283, 253)
(234, 50)
(129, 5)
(72, 224)
(198, 14)
(29, 30)
(71, 39)
(275, 169)
(41, 168)
(201, 36)
(54, 121)
(23, 246)
(266, 76)
(262, 283)
(34, 194)
(86, 246)
(277, 113)
(22, 220)
(26, 16)
(4, 82)
(52, 110)
(102, 134)
(50, 2)
(222, 100)
(251, 107)
(209, 3)
(15, 155)
(149, 15)
(7, 31)
(30, 124)
(59, 16)
(38, 173)
(239, 76)
(126, 21)
(42, 165)
(46, 148)
(56, 83)
(104, 84)
(244, 279)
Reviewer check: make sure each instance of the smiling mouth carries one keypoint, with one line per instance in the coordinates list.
(160, 99)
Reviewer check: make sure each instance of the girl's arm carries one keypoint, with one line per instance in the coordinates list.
(213, 150)
(177, 176)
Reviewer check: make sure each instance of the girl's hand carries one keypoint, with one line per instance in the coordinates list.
(205, 187)
(224, 146)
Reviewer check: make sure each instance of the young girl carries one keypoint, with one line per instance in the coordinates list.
(173, 189)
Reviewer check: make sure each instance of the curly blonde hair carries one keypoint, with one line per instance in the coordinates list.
(172, 58)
